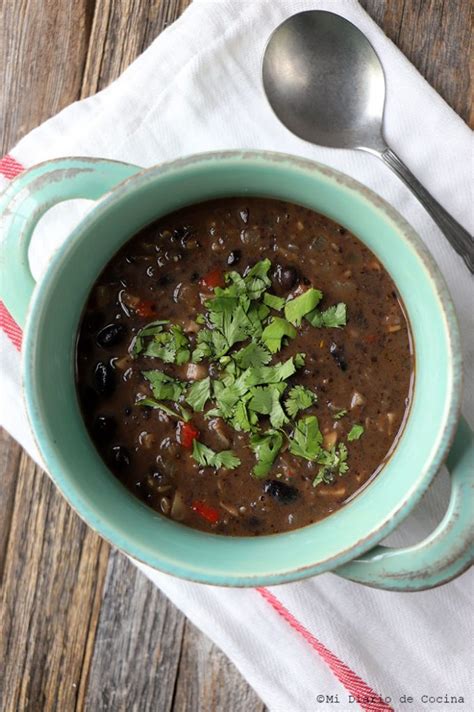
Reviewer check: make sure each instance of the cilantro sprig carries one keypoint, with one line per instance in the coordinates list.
(243, 327)
(206, 457)
(299, 398)
(170, 346)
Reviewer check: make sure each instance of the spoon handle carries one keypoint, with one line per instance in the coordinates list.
(456, 234)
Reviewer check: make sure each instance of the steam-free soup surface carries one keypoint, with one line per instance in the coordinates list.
(244, 366)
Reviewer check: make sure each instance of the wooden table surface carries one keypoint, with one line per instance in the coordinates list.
(82, 629)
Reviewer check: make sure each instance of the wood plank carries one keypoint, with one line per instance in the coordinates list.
(120, 32)
(208, 681)
(10, 453)
(137, 646)
(53, 577)
(435, 35)
(42, 55)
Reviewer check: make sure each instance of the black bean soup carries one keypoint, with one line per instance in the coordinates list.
(244, 366)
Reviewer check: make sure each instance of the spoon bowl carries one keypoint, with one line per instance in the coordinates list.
(310, 90)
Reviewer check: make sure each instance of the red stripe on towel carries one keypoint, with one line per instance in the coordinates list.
(366, 697)
(9, 167)
(10, 327)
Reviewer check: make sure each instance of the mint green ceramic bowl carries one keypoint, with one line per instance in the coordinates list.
(344, 541)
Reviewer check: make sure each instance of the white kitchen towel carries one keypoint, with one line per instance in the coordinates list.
(313, 646)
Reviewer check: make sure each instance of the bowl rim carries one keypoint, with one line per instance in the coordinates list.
(154, 173)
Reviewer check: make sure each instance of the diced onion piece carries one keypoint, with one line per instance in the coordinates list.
(338, 490)
(229, 508)
(190, 327)
(330, 439)
(195, 372)
(123, 363)
(217, 426)
(178, 508)
(357, 400)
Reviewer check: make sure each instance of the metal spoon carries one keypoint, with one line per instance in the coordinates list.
(326, 84)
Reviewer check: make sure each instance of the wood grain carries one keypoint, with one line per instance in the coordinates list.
(82, 629)
(52, 585)
(43, 45)
(435, 35)
(138, 641)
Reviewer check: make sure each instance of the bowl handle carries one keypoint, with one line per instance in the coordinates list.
(446, 553)
(26, 200)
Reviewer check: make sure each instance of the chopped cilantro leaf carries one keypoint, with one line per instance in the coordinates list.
(274, 302)
(242, 420)
(334, 463)
(276, 330)
(298, 307)
(206, 457)
(271, 374)
(278, 416)
(299, 398)
(355, 432)
(204, 345)
(199, 393)
(151, 329)
(152, 403)
(252, 355)
(228, 395)
(257, 279)
(332, 318)
(170, 346)
(234, 326)
(307, 438)
(299, 360)
(262, 397)
(266, 447)
(340, 414)
(164, 387)
(256, 314)
(186, 415)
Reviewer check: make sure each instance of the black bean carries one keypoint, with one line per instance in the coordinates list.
(337, 352)
(110, 335)
(233, 257)
(120, 457)
(280, 491)
(104, 427)
(287, 277)
(104, 378)
(164, 280)
(194, 276)
(127, 410)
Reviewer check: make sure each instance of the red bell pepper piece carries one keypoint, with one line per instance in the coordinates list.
(205, 511)
(186, 434)
(214, 278)
(145, 308)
